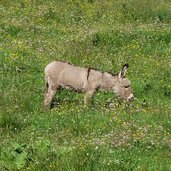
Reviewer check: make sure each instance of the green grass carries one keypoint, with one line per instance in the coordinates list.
(112, 135)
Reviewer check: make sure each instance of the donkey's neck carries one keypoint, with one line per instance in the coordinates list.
(108, 81)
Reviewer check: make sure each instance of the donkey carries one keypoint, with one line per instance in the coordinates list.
(64, 75)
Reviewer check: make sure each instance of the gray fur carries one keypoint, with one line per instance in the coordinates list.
(60, 74)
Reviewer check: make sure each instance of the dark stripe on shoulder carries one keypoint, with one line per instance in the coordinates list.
(88, 73)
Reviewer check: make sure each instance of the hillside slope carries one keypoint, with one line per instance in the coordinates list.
(111, 135)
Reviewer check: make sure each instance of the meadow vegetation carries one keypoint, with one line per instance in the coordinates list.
(104, 34)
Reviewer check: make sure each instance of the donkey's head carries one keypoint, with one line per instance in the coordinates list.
(123, 85)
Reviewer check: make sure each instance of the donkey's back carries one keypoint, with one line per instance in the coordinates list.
(64, 74)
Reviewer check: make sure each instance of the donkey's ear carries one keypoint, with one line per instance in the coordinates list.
(123, 71)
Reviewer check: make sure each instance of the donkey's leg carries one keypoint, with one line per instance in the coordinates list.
(88, 96)
(52, 89)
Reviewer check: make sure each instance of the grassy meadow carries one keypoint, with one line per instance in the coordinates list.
(112, 135)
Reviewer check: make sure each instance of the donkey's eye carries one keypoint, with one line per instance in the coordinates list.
(127, 86)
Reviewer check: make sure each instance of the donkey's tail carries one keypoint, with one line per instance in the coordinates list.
(46, 85)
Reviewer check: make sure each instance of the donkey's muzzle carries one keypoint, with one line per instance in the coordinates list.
(130, 97)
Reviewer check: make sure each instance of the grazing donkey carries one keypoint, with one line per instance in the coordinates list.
(61, 74)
